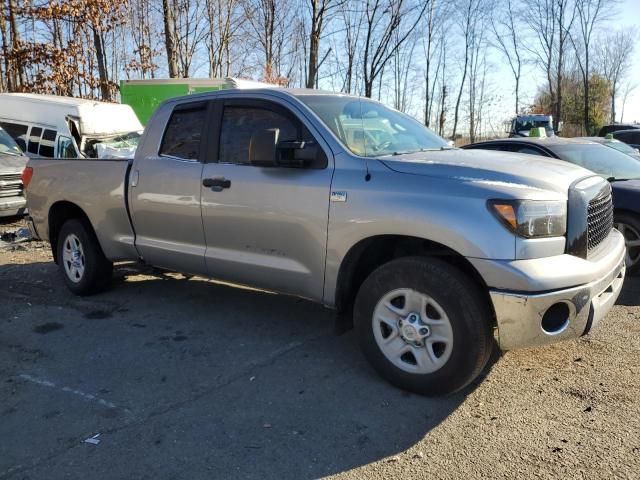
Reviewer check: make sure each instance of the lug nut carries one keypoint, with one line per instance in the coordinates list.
(413, 318)
(424, 331)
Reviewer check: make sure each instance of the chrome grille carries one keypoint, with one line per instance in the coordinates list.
(10, 185)
(599, 218)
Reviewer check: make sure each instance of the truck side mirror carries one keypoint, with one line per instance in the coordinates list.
(296, 154)
(262, 148)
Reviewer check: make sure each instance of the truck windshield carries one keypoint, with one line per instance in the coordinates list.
(7, 145)
(522, 126)
(370, 129)
(607, 162)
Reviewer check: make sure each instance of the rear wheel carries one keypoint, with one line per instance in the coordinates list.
(423, 325)
(84, 267)
(629, 226)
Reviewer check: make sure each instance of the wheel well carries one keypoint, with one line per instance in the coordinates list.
(59, 213)
(369, 254)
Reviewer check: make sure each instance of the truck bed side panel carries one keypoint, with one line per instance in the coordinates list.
(97, 187)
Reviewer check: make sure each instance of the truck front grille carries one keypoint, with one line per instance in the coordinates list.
(10, 185)
(599, 218)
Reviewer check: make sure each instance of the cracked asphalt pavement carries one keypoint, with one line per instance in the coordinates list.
(168, 377)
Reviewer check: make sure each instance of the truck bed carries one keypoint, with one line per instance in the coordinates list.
(73, 182)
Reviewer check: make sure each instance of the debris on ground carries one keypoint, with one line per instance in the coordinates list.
(12, 238)
(93, 440)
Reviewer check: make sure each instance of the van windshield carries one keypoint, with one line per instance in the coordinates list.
(369, 129)
(8, 146)
(118, 146)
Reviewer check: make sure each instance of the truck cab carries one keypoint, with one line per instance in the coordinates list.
(521, 125)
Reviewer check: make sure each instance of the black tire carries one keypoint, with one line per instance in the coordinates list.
(97, 270)
(631, 233)
(463, 302)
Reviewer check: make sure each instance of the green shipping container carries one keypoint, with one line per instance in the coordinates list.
(144, 96)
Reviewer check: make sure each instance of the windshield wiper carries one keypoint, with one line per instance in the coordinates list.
(614, 179)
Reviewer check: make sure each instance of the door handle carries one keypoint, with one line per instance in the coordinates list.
(216, 184)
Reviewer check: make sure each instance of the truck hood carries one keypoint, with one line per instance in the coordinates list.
(12, 164)
(503, 171)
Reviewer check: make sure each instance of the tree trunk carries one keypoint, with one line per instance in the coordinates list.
(102, 68)
(587, 125)
(169, 39)
(314, 44)
(443, 118)
(4, 73)
(17, 69)
(457, 109)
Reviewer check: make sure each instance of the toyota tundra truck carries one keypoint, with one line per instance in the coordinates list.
(437, 254)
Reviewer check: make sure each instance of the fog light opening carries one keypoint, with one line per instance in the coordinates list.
(556, 319)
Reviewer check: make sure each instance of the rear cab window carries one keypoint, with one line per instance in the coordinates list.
(182, 137)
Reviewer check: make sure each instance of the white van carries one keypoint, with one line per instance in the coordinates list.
(65, 127)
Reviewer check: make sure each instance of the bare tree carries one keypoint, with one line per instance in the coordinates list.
(403, 63)
(170, 38)
(506, 31)
(477, 76)
(224, 18)
(613, 55)
(268, 24)
(469, 21)
(434, 20)
(551, 22)
(590, 14)
(351, 20)
(4, 67)
(384, 19)
(320, 10)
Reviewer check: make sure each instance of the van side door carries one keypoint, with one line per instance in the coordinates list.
(164, 190)
(265, 226)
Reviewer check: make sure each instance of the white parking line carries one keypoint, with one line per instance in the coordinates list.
(79, 393)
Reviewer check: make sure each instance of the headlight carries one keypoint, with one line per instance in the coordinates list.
(532, 218)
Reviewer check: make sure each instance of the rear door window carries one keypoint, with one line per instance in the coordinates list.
(182, 138)
(48, 143)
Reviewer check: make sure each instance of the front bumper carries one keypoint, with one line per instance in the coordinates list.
(519, 315)
(13, 206)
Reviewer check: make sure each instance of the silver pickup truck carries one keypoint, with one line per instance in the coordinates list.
(439, 254)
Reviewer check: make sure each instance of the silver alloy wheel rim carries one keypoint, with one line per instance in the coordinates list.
(73, 258)
(413, 331)
(632, 241)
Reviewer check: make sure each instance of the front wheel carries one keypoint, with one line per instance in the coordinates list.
(84, 267)
(424, 325)
(629, 226)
